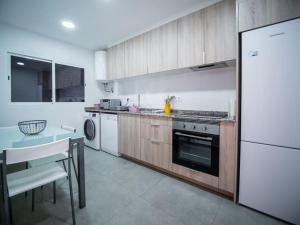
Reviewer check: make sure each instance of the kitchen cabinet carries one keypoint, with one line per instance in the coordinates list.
(203, 37)
(148, 139)
(116, 62)
(156, 139)
(162, 48)
(161, 154)
(257, 13)
(191, 40)
(129, 135)
(136, 56)
(146, 150)
(220, 32)
(227, 157)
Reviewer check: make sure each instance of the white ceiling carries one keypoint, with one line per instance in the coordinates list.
(99, 23)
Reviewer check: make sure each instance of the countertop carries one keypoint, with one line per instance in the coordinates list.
(175, 114)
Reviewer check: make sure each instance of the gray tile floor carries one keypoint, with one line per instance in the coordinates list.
(120, 192)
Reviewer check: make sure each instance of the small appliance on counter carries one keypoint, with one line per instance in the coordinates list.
(108, 103)
(112, 104)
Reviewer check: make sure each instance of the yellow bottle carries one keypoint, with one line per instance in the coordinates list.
(167, 108)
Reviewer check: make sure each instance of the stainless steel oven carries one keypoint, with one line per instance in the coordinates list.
(196, 146)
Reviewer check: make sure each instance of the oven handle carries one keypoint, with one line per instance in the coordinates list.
(193, 136)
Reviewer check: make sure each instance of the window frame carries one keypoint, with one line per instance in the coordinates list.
(53, 62)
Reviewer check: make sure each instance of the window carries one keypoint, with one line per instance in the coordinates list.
(69, 83)
(31, 80)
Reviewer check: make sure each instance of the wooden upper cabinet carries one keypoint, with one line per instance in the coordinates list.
(162, 48)
(227, 157)
(136, 56)
(129, 135)
(116, 62)
(220, 32)
(191, 40)
(181, 43)
(257, 13)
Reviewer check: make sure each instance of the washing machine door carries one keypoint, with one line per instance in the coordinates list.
(89, 129)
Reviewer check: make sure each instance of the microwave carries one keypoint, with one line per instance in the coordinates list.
(110, 103)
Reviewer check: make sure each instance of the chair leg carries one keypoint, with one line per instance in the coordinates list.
(32, 200)
(64, 166)
(54, 192)
(10, 211)
(71, 196)
(26, 167)
(72, 201)
(75, 170)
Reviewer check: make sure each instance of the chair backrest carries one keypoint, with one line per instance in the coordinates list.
(18, 155)
(68, 128)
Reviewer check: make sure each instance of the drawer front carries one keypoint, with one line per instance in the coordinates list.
(196, 175)
(157, 120)
(162, 134)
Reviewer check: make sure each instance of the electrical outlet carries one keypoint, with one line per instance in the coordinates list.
(178, 99)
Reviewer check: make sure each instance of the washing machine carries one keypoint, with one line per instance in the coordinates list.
(91, 130)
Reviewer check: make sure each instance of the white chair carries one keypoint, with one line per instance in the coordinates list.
(31, 178)
(62, 157)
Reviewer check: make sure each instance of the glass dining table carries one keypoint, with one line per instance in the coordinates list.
(11, 137)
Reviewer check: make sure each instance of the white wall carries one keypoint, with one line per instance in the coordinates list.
(204, 90)
(27, 43)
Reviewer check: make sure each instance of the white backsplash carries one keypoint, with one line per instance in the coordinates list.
(203, 90)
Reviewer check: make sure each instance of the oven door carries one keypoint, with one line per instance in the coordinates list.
(196, 151)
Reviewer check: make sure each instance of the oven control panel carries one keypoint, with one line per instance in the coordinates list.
(197, 127)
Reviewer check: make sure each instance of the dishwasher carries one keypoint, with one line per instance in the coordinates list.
(109, 133)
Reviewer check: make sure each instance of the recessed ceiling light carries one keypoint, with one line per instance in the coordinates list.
(20, 63)
(68, 24)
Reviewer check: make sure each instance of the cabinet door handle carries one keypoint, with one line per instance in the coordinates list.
(155, 141)
(155, 124)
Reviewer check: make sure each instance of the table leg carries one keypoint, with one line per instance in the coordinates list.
(81, 175)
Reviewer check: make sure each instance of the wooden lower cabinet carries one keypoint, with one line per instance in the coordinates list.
(197, 176)
(149, 140)
(161, 154)
(227, 167)
(156, 153)
(156, 138)
(146, 151)
(129, 135)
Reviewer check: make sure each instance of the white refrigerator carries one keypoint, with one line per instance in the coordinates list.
(270, 121)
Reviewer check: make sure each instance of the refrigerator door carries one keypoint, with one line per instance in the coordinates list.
(271, 85)
(270, 181)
